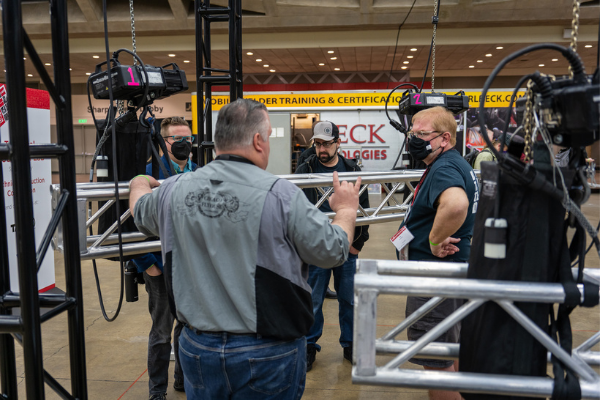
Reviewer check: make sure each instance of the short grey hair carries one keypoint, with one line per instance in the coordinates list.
(238, 122)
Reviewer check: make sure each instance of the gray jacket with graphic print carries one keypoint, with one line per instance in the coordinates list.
(236, 241)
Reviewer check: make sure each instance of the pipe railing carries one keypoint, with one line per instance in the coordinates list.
(106, 244)
(447, 280)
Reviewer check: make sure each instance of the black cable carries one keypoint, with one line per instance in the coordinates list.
(115, 178)
(571, 56)
(398, 125)
(390, 95)
(427, 65)
(510, 106)
(516, 169)
(396, 47)
(90, 103)
(435, 22)
(589, 247)
(598, 50)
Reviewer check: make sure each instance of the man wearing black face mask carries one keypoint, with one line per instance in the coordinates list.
(178, 140)
(440, 219)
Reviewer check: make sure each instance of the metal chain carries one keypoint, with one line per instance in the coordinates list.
(132, 30)
(574, 29)
(528, 119)
(435, 7)
(121, 103)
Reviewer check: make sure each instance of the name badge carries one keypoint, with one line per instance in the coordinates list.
(401, 240)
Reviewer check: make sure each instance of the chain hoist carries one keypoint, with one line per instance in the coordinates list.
(435, 21)
(527, 123)
(574, 29)
(121, 103)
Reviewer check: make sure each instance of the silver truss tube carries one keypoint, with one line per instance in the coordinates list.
(588, 344)
(464, 288)
(324, 196)
(470, 382)
(415, 268)
(98, 213)
(446, 351)
(410, 174)
(105, 191)
(389, 196)
(450, 351)
(127, 237)
(324, 180)
(128, 250)
(442, 270)
(397, 187)
(580, 368)
(110, 230)
(435, 332)
(414, 317)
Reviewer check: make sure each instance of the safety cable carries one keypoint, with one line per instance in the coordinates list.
(395, 47)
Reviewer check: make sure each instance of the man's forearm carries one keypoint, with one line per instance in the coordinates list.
(346, 219)
(138, 187)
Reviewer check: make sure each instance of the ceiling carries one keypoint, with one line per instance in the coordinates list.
(346, 36)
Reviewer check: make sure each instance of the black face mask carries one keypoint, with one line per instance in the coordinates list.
(181, 150)
(419, 149)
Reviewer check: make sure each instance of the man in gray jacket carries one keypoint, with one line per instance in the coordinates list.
(236, 241)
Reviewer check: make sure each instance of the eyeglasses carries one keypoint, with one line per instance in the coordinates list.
(420, 134)
(179, 139)
(325, 145)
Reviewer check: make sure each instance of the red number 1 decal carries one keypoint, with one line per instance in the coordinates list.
(133, 82)
(416, 96)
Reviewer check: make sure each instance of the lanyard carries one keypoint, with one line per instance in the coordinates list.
(419, 185)
(415, 193)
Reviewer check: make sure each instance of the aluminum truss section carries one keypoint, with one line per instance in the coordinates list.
(205, 80)
(103, 246)
(445, 280)
(26, 327)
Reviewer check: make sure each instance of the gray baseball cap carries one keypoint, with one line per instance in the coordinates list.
(325, 130)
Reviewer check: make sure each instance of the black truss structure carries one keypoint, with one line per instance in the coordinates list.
(205, 80)
(26, 327)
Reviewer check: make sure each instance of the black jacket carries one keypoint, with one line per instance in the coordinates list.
(361, 233)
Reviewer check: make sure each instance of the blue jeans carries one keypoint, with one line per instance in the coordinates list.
(343, 282)
(221, 365)
(159, 340)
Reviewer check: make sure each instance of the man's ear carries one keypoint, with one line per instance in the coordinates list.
(257, 142)
(447, 137)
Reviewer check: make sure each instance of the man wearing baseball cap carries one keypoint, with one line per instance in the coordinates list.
(326, 159)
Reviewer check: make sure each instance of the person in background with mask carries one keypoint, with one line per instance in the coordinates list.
(440, 219)
(178, 140)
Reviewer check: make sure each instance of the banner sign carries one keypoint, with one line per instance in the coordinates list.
(367, 136)
(38, 121)
(352, 100)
